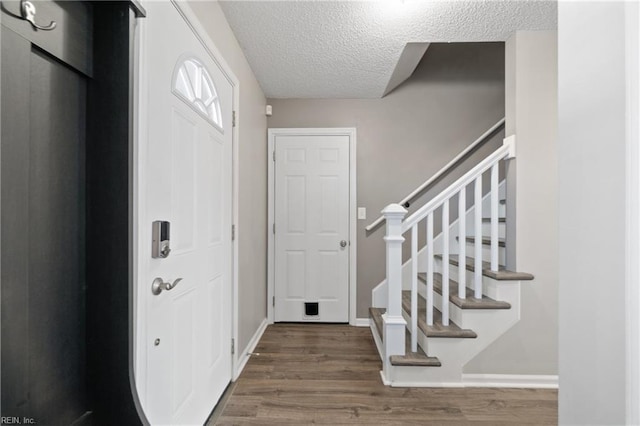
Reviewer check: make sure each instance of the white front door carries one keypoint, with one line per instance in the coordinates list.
(312, 228)
(183, 341)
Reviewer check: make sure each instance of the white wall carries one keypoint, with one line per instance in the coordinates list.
(531, 346)
(252, 128)
(598, 366)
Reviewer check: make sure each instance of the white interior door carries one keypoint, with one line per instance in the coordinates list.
(183, 342)
(312, 228)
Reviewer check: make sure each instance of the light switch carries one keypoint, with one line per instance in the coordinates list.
(362, 212)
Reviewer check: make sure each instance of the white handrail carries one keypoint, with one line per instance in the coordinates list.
(440, 172)
(504, 151)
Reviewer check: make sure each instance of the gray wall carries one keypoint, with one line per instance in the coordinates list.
(455, 95)
(592, 200)
(531, 346)
(252, 125)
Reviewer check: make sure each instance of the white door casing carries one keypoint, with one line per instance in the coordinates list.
(312, 201)
(183, 335)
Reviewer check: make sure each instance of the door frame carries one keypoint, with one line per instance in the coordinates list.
(271, 258)
(140, 114)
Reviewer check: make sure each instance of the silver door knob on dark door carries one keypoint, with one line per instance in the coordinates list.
(343, 243)
(158, 285)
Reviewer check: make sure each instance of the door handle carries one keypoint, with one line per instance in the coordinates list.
(343, 243)
(158, 285)
(28, 11)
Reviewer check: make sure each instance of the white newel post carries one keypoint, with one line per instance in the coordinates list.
(393, 322)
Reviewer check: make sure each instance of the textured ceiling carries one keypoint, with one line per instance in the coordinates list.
(349, 49)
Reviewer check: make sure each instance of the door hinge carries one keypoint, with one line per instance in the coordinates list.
(233, 119)
(274, 156)
(274, 228)
(233, 346)
(233, 232)
(273, 301)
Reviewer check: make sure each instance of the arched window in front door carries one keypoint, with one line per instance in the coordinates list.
(193, 84)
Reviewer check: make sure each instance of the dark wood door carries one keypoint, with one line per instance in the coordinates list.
(43, 208)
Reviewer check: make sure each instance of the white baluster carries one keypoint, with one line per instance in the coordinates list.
(414, 288)
(445, 263)
(494, 217)
(477, 276)
(430, 261)
(394, 324)
(462, 241)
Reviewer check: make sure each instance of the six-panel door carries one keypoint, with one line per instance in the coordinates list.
(312, 227)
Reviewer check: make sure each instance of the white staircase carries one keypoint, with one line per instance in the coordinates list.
(426, 331)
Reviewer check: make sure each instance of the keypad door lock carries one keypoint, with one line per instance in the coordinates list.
(161, 244)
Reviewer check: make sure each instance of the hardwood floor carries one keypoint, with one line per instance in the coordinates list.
(330, 374)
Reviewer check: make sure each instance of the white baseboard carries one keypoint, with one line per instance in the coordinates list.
(243, 357)
(361, 322)
(384, 379)
(532, 381)
(488, 381)
(401, 384)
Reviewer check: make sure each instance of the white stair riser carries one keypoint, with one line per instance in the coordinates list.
(471, 318)
(486, 252)
(486, 208)
(486, 229)
(422, 291)
(489, 287)
(455, 313)
(465, 317)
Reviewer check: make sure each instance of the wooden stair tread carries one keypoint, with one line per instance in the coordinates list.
(410, 359)
(487, 241)
(470, 302)
(501, 275)
(437, 329)
(414, 359)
